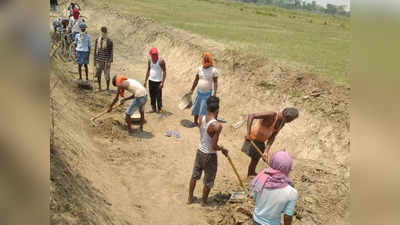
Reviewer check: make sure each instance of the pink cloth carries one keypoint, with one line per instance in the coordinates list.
(276, 176)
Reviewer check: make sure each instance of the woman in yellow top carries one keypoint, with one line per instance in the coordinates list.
(265, 128)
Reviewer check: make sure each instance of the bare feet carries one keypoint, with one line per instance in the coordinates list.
(203, 204)
(189, 201)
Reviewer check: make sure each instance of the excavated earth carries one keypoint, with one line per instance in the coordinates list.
(100, 175)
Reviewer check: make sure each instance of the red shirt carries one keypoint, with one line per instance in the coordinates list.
(75, 13)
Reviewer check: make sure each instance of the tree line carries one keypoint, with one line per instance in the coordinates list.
(303, 5)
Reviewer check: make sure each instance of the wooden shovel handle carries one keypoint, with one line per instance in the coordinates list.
(105, 112)
(258, 150)
(236, 172)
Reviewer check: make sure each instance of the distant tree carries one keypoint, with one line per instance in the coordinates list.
(304, 5)
(331, 9)
(297, 4)
(314, 5)
(341, 10)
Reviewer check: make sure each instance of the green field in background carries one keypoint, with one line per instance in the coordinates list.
(310, 42)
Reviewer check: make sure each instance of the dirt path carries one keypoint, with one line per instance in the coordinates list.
(144, 180)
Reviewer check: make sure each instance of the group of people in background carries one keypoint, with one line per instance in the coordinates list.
(103, 56)
(274, 193)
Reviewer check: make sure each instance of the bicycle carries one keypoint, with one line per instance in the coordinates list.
(64, 45)
(68, 47)
(57, 40)
(72, 52)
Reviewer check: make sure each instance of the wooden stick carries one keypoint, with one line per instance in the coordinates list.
(103, 113)
(236, 172)
(93, 76)
(258, 150)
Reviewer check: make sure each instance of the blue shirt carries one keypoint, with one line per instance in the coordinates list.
(84, 44)
(271, 203)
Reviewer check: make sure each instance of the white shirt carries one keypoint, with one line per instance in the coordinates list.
(75, 25)
(136, 88)
(271, 203)
(206, 78)
(205, 139)
(156, 73)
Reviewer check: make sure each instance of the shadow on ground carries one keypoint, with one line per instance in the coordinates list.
(142, 134)
(187, 123)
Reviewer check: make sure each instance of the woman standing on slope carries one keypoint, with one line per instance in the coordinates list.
(206, 79)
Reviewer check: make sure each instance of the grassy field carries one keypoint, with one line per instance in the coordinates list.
(309, 42)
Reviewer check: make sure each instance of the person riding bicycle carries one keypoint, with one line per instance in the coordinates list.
(64, 23)
(57, 24)
(60, 24)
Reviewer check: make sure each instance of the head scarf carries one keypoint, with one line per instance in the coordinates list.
(118, 80)
(206, 59)
(276, 176)
(75, 13)
(154, 54)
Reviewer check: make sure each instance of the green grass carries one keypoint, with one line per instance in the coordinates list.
(310, 42)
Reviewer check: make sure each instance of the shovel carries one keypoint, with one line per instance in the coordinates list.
(236, 172)
(258, 150)
(185, 101)
(237, 196)
(101, 114)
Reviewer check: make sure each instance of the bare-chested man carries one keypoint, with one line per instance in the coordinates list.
(265, 128)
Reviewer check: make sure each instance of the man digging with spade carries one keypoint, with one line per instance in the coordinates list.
(139, 97)
(265, 128)
(206, 156)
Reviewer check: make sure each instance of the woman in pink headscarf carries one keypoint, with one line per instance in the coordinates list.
(272, 192)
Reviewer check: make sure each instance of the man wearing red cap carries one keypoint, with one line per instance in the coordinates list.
(156, 75)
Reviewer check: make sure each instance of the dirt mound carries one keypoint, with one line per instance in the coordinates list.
(115, 178)
(72, 199)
